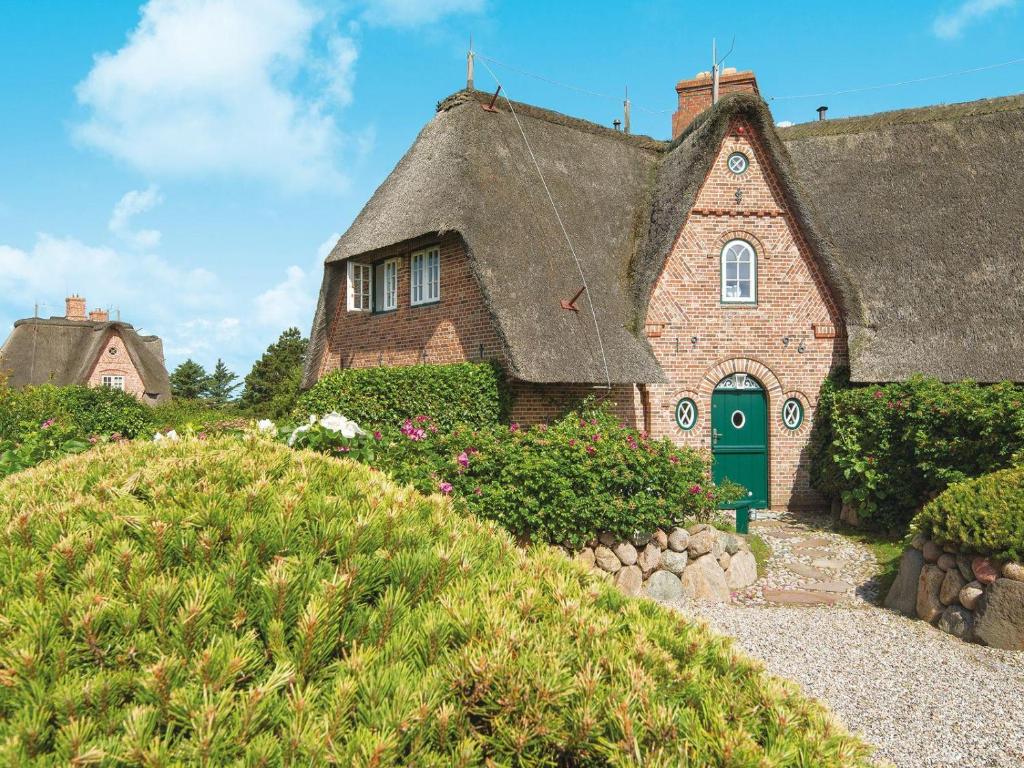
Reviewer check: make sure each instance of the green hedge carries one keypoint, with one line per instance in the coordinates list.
(983, 515)
(82, 411)
(226, 602)
(461, 393)
(181, 414)
(894, 448)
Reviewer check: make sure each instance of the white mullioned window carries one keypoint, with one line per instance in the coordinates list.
(385, 285)
(114, 382)
(739, 273)
(360, 277)
(425, 276)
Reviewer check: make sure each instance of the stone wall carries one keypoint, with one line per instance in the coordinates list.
(701, 563)
(973, 597)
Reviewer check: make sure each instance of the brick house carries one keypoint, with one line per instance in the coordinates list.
(85, 349)
(727, 271)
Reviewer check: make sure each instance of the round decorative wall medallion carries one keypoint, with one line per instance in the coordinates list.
(738, 163)
(686, 414)
(792, 413)
(112, 351)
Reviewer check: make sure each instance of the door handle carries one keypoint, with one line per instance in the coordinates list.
(714, 437)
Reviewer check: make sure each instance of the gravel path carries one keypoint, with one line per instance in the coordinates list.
(924, 698)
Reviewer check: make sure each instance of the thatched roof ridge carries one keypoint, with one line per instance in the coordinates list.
(923, 212)
(469, 172)
(63, 352)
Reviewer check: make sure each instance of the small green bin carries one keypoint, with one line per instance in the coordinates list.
(743, 518)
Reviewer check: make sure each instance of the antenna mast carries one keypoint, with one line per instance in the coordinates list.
(714, 72)
(625, 109)
(469, 65)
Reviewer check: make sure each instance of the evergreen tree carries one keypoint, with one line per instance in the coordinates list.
(273, 383)
(188, 380)
(221, 384)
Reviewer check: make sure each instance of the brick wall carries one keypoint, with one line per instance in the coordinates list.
(793, 303)
(695, 95)
(114, 361)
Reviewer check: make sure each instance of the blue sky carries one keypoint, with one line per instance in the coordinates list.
(190, 161)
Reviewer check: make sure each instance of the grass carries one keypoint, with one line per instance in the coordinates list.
(887, 551)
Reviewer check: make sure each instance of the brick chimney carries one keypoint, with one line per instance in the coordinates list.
(74, 308)
(99, 315)
(695, 94)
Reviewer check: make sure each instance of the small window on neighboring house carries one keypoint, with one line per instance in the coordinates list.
(739, 273)
(425, 276)
(359, 278)
(385, 285)
(114, 382)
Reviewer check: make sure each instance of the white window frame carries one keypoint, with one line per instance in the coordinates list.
(425, 276)
(360, 297)
(390, 293)
(112, 381)
(752, 297)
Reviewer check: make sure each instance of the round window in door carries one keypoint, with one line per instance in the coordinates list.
(739, 435)
(686, 414)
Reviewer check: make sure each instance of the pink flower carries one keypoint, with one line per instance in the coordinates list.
(444, 487)
(93, 440)
(477, 491)
(463, 459)
(674, 459)
(542, 427)
(710, 494)
(432, 427)
(421, 418)
(377, 435)
(342, 449)
(597, 437)
(591, 450)
(572, 442)
(695, 489)
(513, 427)
(879, 394)
(48, 423)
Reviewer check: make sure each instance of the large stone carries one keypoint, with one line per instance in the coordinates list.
(704, 580)
(963, 562)
(606, 559)
(971, 594)
(649, 559)
(742, 571)
(660, 538)
(717, 550)
(952, 583)
(999, 621)
(664, 587)
(629, 580)
(585, 557)
(674, 562)
(693, 530)
(1014, 571)
(984, 571)
(918, 541)
(946, 561)
(929, 607)
(932, 551)
(639, 539)
(807, 571)
(957, 621)
(800, 597)
(607, 539)
(902, 595)
(702, 542)
(626, 552)
(678, 539)
(731, 543)
(724, 559)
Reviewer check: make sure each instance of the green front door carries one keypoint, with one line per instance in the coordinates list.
(739, 437)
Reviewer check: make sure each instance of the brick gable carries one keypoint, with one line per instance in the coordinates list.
(114, 360)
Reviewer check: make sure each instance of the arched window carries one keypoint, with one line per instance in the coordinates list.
(739, 273)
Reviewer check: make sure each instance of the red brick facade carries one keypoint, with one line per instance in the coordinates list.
(114, 361)
(695, 95)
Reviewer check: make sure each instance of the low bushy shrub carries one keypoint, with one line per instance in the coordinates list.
(84, 411)
(236, 603)
(894, 448)
(460, 393)
(183, 415)
(49, 440)
(982, 514)
(563, 484)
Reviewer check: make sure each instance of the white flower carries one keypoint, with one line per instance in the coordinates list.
(337, 423)
(312, 419)
(266, 425)
(296, 432)
(157, 437)
(172, 435)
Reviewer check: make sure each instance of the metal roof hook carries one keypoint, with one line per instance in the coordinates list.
(571, 303)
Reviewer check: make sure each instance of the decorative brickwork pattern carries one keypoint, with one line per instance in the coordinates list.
(114, 360)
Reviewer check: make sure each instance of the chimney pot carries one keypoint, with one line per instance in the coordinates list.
(74, 307)
(821, 112)
(695, 94)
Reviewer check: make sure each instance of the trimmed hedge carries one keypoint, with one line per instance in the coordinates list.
(460, 393)
(894, 448)
(83, 411)
(984, 515)
(228, 602)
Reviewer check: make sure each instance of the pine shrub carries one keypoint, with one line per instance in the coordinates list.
(460, 393)
(235, 602)
(984, 515)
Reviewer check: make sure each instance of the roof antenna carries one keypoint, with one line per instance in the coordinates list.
(716, 66)
(469, 64)
(625, 109)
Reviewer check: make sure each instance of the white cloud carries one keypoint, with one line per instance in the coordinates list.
(132, 204)
(293, 301)
(215, 87)
(410, 13)
(950, 25)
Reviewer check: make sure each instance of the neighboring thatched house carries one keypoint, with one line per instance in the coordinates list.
(727, 272)
(90, 350)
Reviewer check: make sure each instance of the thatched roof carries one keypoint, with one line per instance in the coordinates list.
(923, 209)
(63, 352)
(911, 215)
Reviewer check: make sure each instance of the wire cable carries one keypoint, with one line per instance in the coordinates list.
(558, 217)
(899, 83)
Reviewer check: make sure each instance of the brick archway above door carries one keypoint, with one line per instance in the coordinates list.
(753, 368)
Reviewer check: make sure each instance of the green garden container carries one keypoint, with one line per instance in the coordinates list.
(743, 518)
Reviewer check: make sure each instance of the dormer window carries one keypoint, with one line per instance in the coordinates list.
(739, 273)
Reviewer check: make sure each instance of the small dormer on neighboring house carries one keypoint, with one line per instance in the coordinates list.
(86, 348)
